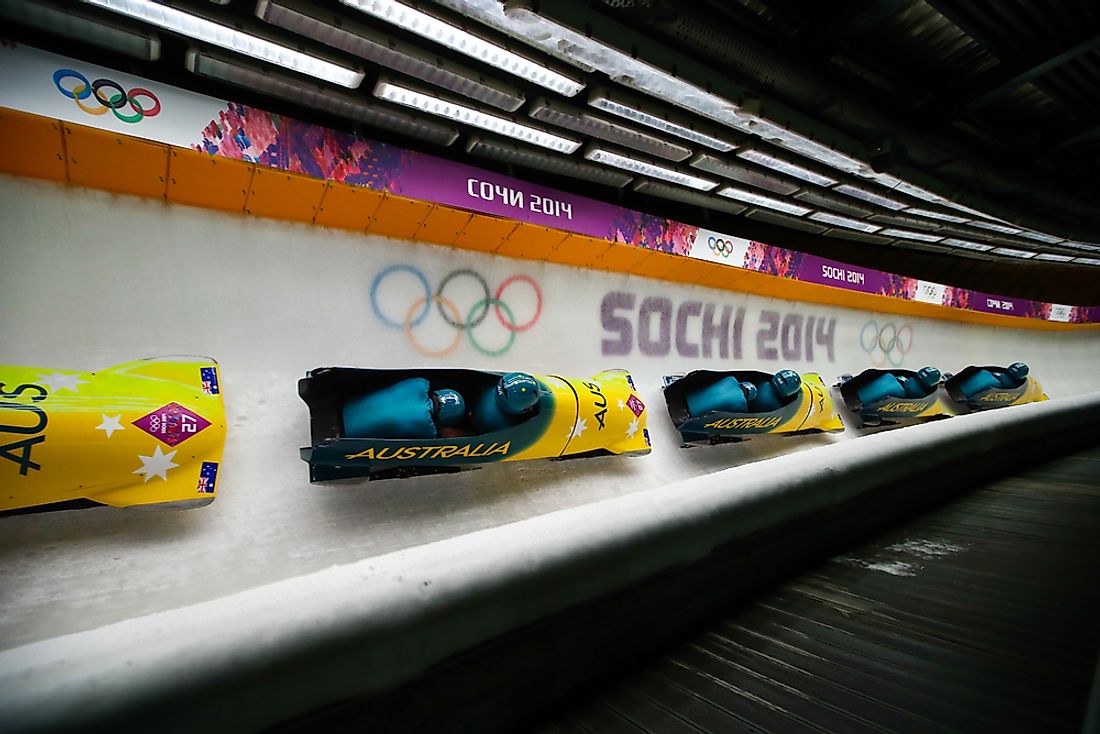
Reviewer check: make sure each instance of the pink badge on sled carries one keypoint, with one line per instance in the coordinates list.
(173, 424)
(636, 405)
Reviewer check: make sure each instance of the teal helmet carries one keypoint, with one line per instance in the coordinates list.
(749, 389)
(1017, 371)
(449, 408)
(928, 377)
(787, 383)
(517, 393)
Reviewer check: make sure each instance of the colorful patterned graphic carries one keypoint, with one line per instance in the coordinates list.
(118, 98)
(653, 233)
(772, 260)
(247, 134)
(888, 343)
(899, 286)
(419, 309)
(173, 424)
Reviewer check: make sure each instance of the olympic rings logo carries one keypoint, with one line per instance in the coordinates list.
(720, 246)
(119, 97)
(420, 308)
(886, 344)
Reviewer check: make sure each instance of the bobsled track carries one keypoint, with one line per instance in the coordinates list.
(209, 617)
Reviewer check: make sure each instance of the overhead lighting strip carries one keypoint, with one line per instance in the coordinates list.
(216, 34)
(991, 226)
(767, 160)
(635, 113)
(906, 234)
(54, 19)
(548, 162)
(1053, 257)
(967, 244)
(738, 171)
(686, 196)
(869, 196)
(1087, 260)
(580, 121)
(379, 48)
(1012, 252)
(1041, 237)
(930, 214)
(626, 163)
(750, 197)
(839, 221)
(215, 66)
(468, 115)
(520, 19)
(456, 39)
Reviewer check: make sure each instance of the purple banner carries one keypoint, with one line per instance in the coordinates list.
(990, 303)
(456, 184)
(839, 275)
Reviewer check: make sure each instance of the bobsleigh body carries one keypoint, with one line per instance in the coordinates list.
(144, 433)
(811, 411)
(574, 418)
(860, 396)
(989, 394)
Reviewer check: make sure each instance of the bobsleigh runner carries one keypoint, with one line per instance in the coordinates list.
(145, 433)
(983, 388)
(895, 396)
(709, 407)
(384, 424)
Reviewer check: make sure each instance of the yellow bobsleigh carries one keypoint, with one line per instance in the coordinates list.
(149, 432)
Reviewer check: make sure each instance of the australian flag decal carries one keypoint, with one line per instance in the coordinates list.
(209, 377)
(208, 477)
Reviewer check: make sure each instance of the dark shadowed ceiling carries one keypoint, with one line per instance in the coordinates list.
(952, 140)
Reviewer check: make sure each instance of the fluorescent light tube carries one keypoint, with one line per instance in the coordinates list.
(1041, 237)
(967, 244)
(1053, 257)
(930, 214)
(225, 37)
(456, 39)
(746, 174)
(869, 196)
(538, 160)
(840, 221)
(687, 196)
(379, 48)
(1087, 260)
(582, 122)
(1012, 252)
(636, 112)
(468, 115)
(116, 37)
(352, 107)
(994, 227)
(908, 235)
(767, 160)
(599, 155)
(768, 202)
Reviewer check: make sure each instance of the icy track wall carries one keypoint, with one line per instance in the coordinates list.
(92, 279)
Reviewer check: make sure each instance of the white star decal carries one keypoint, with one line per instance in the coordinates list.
(61, 381)
(156, 465)
(110, 424)
(632, 429)
(621, 404)
(578, 429)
